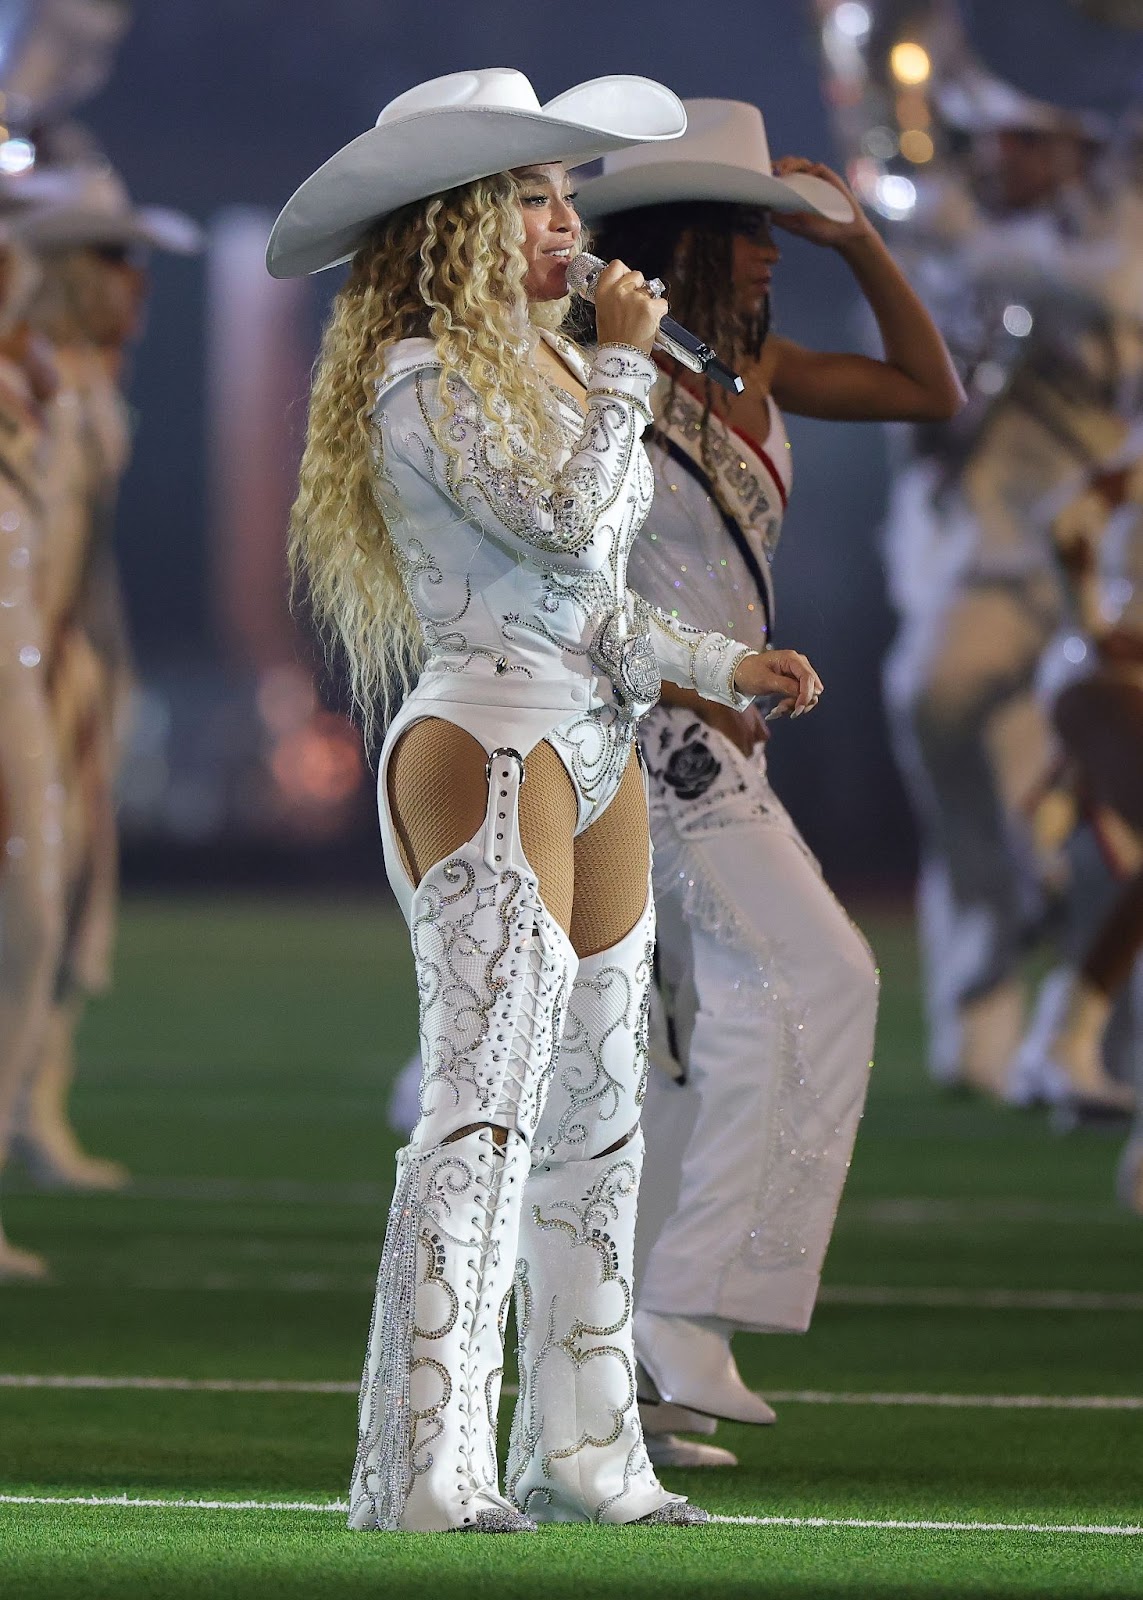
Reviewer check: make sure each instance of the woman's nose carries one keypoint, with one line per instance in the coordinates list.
(565, 219)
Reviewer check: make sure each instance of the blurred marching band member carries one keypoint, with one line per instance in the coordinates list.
(770, 991)
(90, 305)
(470, 492)
(31, 837)
(1017, 255)
(1093, 681)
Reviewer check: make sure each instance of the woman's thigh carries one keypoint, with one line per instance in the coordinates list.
(612, 861)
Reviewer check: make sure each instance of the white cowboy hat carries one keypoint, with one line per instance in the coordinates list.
(976, 102)
(450, 131)
(96, 210)
(722, 156)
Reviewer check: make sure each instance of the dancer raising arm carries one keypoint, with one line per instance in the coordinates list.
(469, 494)
(770, 990)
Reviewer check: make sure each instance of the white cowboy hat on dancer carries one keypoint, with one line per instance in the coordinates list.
(96, 211)
(977, 103)
(451, 131)
(723, 156)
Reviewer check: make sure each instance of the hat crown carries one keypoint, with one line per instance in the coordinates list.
(502, 88)
(726, 133)
(102, 192)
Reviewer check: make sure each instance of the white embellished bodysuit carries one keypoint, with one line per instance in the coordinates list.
(530, 630)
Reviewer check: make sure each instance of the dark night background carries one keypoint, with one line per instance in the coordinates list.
(217, 103)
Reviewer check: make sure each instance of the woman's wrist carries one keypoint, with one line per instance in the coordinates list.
(740, 665)
(621, 344)
(868, 246)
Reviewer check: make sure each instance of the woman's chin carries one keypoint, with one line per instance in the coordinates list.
(552, 286)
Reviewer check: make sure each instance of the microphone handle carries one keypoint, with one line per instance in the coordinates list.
(695, 354)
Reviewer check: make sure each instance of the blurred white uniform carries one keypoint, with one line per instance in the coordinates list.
(770, 991)
(31, 841)
(1042, 310)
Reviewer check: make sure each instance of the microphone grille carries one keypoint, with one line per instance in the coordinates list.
(583, 274)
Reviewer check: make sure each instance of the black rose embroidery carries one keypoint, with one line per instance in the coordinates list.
(691, 770)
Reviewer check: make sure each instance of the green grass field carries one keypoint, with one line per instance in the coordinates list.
(242, 1067)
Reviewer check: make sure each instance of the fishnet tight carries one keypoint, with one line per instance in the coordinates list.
(594, 886)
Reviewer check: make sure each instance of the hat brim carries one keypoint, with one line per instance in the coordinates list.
(428, 152)
(658, 183)
(74, 228)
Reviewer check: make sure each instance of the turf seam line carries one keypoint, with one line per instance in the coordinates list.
(812, 1397)
(889, 1524)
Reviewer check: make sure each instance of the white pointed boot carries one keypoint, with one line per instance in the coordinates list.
(577, 1451)
(492, 971)
(690, 1363)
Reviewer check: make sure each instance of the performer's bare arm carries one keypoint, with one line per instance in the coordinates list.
(915, 380)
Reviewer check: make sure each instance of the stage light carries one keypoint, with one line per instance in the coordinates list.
(894, 195)
(1017, 321)
(880, 143)
(916, 146)
(16, 155)
(989, 378)
(852, 19)
(909, 62)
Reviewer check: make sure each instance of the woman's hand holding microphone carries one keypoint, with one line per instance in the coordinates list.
(625, 312)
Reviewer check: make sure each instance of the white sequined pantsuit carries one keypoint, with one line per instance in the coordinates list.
(771, 996)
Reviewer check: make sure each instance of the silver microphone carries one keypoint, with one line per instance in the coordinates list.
(672, 337)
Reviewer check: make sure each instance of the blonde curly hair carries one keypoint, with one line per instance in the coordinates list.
(450, 268)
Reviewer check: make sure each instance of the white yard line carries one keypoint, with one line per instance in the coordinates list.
(803, 1397)
(893, 1525)
(837, 1294)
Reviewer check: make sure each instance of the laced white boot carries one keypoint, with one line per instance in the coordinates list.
(431, 1391)
(493, 969)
